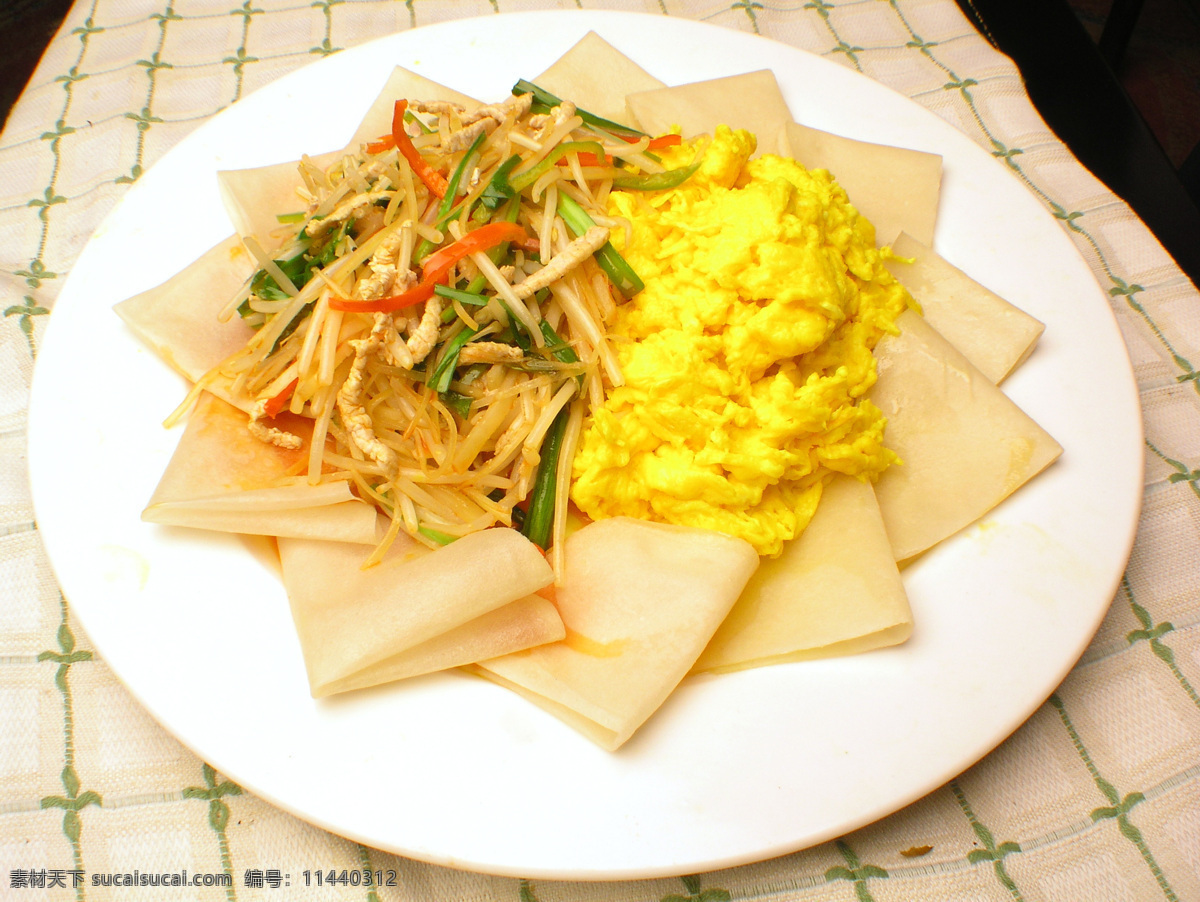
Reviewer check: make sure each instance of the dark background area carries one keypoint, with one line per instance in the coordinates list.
(26, 27)
(1159, 68)
(1117, 80)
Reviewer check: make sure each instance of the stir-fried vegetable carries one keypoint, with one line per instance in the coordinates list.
(438, 310)
(621, 273)
(434, 180)
(540, 518)
(544, 102)
(436, 268)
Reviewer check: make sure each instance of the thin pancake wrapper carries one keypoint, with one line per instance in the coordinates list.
(520, 624)
(964, 445)
(640, 601)
(223, 478)
(896, 188)
(835, 590)
(403, 84)
(576, 76)
(178, 319)
(416, 611)
(752, 101)
(989, 331)
(255, 198)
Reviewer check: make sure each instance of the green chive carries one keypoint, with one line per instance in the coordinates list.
(614, 265)
(441, 538)
(443, 373)
(447, 205)
(539, 521)
(545, 101)
(470, 298)
(458, 403)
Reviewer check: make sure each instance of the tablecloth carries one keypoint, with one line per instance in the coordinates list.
(1096, 797)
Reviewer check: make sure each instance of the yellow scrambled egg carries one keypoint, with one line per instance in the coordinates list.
(747, 355)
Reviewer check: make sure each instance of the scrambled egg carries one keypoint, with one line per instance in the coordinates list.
(747, 355)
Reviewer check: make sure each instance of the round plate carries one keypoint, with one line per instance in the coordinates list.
(454, 770)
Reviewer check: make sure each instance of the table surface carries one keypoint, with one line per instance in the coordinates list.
(1096, 796)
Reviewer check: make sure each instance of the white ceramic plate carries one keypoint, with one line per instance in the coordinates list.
(454, 770)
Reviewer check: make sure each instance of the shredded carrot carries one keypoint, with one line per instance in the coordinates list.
(434, 180)
(437, 267)
(274, 405)
(385, 142)
(662, 142)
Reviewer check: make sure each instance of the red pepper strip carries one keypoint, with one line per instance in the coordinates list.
(433, 180)
(386, 142)
(589, 159)
(274, 405)
(662, 142)
(418, 294)
(437, 266)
